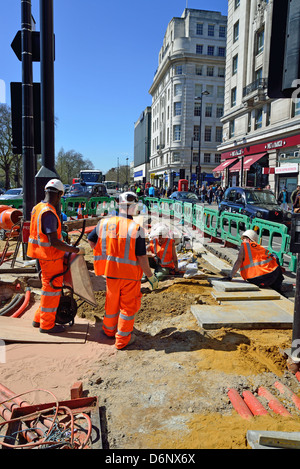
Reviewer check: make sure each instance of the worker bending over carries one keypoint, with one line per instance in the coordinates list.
(256, 264)
(46, 244)
(120, 255)
(162, 252)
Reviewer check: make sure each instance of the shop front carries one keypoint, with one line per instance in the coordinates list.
(259, 165)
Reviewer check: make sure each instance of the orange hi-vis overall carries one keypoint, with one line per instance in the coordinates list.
(257, 261)
(51, 263)
(115, 258)
(164, 252)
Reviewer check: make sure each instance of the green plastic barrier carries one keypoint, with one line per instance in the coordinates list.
(211, 221)
(16, 203)
(278, 230)
(178, 210)
(232, 225)
(198, 220)
(100, 205)
(70, 205)
(188, 213)
(167, 207)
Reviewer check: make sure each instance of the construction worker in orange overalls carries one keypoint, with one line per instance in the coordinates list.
(120, 255)
(162, 252)
(256, 264)
(46, 244)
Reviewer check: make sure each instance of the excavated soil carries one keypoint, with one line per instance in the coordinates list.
(168, 390)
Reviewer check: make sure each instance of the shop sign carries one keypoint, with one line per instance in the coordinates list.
(278, 144)
(287, 168)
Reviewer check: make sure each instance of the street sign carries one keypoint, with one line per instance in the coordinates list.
(16, 45)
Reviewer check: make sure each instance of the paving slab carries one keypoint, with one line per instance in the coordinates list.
(224, 297)
(234, 285)
(245, 314)
(21, 330)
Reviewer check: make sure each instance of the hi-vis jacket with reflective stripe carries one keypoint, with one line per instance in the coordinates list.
(257, 261)
(114, 253)
(164, 252)
(38, 243)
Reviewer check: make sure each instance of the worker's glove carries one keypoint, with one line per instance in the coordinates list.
(153, 281)
(81, 251)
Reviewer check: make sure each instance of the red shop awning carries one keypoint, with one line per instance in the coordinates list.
(224, 165)
(248, 162)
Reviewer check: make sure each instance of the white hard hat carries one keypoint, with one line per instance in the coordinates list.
(128, 198)
(251, 234)
(160, 230)
(55, 185)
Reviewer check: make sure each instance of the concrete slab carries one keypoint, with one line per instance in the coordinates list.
(245, 315)
(234, 285)
(224, 297)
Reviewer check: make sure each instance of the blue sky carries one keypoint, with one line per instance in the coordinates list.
(106, 57)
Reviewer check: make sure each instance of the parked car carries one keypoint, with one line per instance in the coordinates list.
(185, 196)
(12, 194)
(87, 190)
(254, 203)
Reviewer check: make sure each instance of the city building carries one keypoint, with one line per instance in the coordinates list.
(261, 136)
(188, 99)
(142, 145)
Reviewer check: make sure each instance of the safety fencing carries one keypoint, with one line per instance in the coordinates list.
(225, 226)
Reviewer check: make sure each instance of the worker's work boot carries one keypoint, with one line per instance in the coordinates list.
(35, 324)
(132, 340)
(54, 330)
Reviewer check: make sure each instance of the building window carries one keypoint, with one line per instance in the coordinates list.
(210, 50)
(231, 128)
(207, 134)
(258, 119)
(268, 114)
(221, 51)
(178, 90)
(208, 110)
(219, 134)
(260, 41)
(219, 111)
(206, 158)
(178, 70)
(199, 49)
(199, 29)
(221, 72)
(220, 92)
(236, 4)
(196, 133)
(236, 28)
(210, 71)
(295, 107)
(176, 157)
(211, 30)
(249, 122)
(258, 74)
(233, 97)
(177, 133)
(222, 31)
(197, 109)
(198, 90)
(235, 64)
(217, 158)
(199, 69)
(177, 108)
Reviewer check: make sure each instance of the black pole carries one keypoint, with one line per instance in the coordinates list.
(47, 83)
(47, 170)
(295, 349)
(27, 110)
(199, 151)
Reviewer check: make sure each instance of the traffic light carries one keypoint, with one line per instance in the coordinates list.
(284, 60)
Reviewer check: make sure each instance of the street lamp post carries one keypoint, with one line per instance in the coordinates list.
(127, 172)
(204, 93)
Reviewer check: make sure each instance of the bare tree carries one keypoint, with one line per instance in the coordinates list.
(7, 158)
(68, 165)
